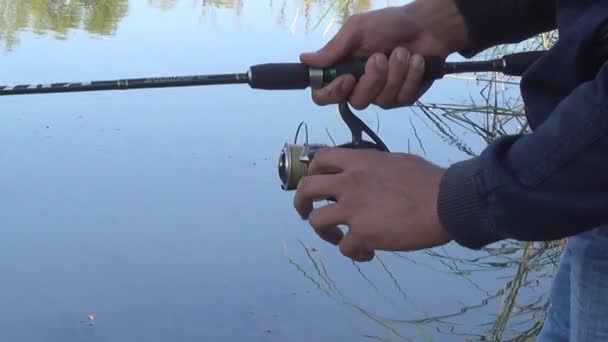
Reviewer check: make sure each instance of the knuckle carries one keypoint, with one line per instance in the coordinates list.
(347, 251)
(416, 73)
(356, 177)
(359, 105)
(323, 151)
(404, 52)
(316, 98)
(304, 184)
(404, 103)
(372, 75)
(298, 203)
(418, 65)
(384, 102)
(319, 158)
(406, 99)
(353, 20)
(388, 98)
(355, 228)
(365, 256)
(409, 101)
(315, 221)
(398, 65)
(381, 105)
(392, 86)
(319, 98)
(353, 25)
(379, 79)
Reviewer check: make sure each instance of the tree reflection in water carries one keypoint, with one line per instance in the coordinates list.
(57, 17)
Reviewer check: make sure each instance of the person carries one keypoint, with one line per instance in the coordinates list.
(546, 185)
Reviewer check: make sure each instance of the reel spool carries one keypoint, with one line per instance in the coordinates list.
(294, 159)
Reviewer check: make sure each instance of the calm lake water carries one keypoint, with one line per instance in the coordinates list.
(159, 212)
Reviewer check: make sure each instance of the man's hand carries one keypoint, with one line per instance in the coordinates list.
(395, 38)
(387, 200)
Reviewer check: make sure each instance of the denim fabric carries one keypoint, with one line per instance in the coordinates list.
(579, 299)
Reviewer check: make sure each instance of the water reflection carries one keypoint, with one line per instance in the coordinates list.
(521, 301)
(57, 17)
(504, 287)
(163, 4)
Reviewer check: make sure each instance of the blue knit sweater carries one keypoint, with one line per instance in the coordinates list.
(552, 183)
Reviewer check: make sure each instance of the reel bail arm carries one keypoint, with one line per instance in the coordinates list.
(294, 159)
(357, 128)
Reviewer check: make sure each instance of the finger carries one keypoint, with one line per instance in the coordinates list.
(336, 91)
(413, 86)
(312, 189)
(331, 160)
(340, 46)
(355, 249)
(398, 66)
(325, 221)
(371, 82)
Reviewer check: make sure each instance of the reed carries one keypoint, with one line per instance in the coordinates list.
(495, 111)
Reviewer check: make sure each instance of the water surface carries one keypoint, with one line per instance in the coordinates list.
(159, 211)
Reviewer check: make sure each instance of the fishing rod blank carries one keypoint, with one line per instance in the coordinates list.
(281, 76)
(124, 84)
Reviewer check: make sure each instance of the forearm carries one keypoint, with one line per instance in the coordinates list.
(471, 26)
(544, 186)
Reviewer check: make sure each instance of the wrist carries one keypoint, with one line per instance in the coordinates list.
(443, 20)
(436, 223)
(463, 206)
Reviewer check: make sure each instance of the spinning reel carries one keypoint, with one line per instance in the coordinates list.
(295, 159)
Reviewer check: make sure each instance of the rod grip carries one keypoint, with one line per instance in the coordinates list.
(286, 76)
(434, 68)
(279, 76)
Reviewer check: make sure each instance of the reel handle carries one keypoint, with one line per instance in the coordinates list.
(294, 158)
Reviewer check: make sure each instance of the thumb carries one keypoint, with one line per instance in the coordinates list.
(340, 46)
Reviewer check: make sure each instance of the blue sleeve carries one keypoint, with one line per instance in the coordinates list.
(494, 22)
(547, 185)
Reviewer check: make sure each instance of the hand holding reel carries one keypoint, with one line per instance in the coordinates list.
(295, 159)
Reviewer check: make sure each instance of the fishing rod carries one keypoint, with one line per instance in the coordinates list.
(281, 76)
(295, 158)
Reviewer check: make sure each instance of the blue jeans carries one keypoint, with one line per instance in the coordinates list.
(579, 298)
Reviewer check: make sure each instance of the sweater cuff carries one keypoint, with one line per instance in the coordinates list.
(490, 23)
(463, 207)
(481, 25)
